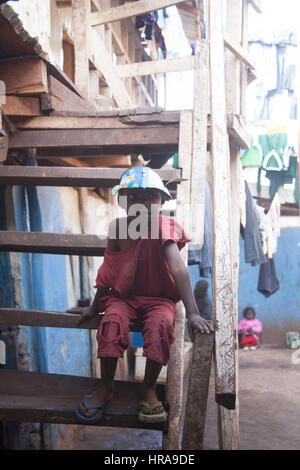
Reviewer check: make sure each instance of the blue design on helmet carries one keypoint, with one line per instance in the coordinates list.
(141, 177)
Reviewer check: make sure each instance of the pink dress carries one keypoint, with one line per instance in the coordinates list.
(254, 324)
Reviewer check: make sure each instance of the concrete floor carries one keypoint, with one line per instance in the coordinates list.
(269, 390)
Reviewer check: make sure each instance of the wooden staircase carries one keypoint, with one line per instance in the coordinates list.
(53, 398)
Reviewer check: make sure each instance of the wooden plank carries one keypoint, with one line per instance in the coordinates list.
(199, 156)
(175, 371)
(102, 61)
(238, 132)
(103, 122)
(232, 63)
(24, 76)
(53, 398)
(195, 413)
(239, 52)
(54, 243)
(225, 366)
(66, 176)
(16, 316)
(80, 12)
(129, 10)
(61, 98)
(140, 69)
(22, 106)
(86, 138)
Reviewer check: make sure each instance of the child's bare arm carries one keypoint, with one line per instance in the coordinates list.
(182, 281)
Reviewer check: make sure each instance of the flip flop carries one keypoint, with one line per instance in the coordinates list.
(90, 406)
(149, 416)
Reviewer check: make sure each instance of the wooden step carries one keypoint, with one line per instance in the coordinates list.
(52, 398)
(87, 138)
(67, 176)
(54, 243)
(17, 316)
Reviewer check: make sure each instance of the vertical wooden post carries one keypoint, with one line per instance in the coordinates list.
(80, 13)
(233, 66)
(193, 431)
(225, 366)
(199, 156)
(244, 71)
(171, 440)
(194, 424)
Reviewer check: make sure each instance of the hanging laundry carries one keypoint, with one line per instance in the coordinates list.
(266, 233)
(146, 20)
(203, 255)
(274, 218)
(252, 241)
(274, 151)
(268, 283)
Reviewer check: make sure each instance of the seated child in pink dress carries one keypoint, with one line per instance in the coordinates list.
(249, 330)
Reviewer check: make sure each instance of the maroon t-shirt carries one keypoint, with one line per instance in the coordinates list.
(142, 269)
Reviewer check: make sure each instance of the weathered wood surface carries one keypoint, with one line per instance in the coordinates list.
(199, 156)
(86, 138)
(129, 10)
(139, 69)
(66, 176)
(225, 365)
(101, 122)
(61, 98)
(53, 398)
(14, 316)
(22, 106)
(171, 440)
(24, 76)
(54, 243)
(195, 413)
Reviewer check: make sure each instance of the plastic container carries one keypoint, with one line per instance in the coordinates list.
(292, 339)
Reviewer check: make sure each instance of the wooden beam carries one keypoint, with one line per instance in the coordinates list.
(257, 5)
(239, 52)
(225, 366)
(60, 176)
(94, 137)
(80, 13)
(101, 122)
(24, 75)
(24, 106)
(129, 10)
(54, 243)
(150, 67)
(199, 156)
(195, 412)
(171, 440)
(17, 316)
(238, 132)
(103, 63)
(61, 98)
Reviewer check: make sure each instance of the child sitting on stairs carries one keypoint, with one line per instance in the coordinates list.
(142, 278)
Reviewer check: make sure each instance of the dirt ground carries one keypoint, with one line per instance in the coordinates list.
(269, 390)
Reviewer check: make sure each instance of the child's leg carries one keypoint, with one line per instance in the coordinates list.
(152, 372)
(105, 392)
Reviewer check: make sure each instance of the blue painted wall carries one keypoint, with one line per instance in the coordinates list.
(281, 311)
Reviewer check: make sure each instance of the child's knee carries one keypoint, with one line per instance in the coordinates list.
(112, 332)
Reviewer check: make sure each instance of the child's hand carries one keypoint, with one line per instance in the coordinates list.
(195, 322)
(85, 313)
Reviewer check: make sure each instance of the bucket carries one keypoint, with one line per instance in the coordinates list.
(292, 339)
